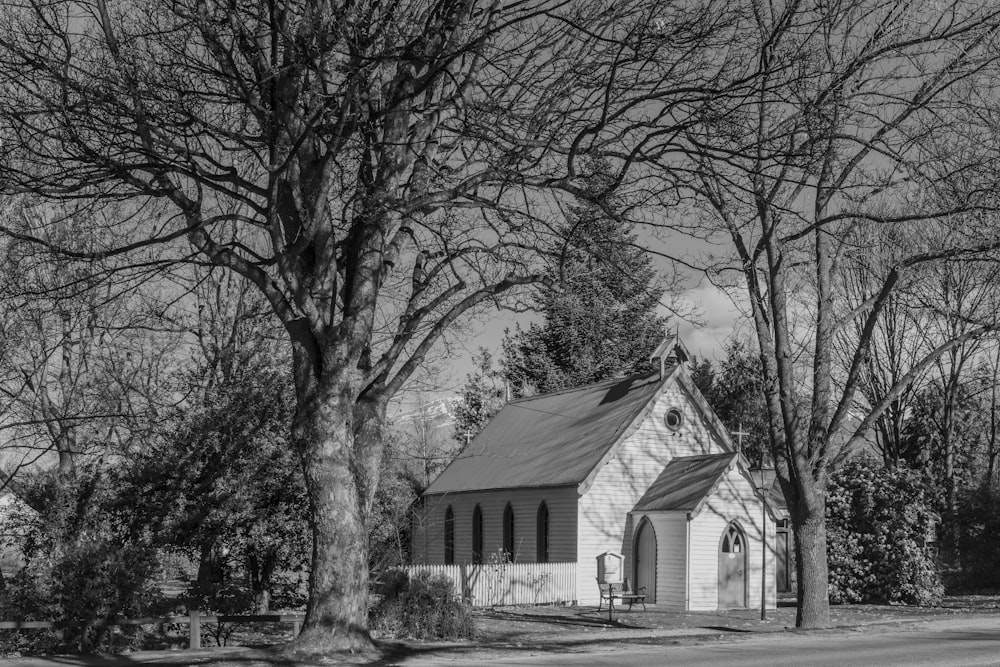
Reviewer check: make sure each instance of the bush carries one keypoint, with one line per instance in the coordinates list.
(979, 541)
(82, 564)
(85, 582)
(421, 607)
(878, 519)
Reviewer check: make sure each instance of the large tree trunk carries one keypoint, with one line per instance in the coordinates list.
(260, 572)
(211, 568)
(809, 523)
(337, 614)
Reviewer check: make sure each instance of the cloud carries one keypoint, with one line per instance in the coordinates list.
(719, 319)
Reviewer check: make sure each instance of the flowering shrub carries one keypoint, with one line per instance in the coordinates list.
(878, 519)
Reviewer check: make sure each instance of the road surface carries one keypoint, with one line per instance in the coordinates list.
(951, 643)
(956, 644)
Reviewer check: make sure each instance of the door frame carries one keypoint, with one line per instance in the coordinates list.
(746, 563)
(644, 524)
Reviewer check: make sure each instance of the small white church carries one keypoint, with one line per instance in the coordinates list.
(640, 467)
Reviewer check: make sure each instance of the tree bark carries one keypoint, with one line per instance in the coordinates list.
(260, 570)
(211, 569)
(337, 613)
(809, 522)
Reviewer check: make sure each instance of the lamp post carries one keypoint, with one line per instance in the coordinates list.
(763, 549)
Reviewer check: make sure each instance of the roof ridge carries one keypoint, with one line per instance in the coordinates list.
(584, 387)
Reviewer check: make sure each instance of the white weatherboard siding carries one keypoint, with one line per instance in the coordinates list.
(732, 501)
(561, 501)
(624, 477)
(671, 555)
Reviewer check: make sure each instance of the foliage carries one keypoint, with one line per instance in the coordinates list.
(979, 534)
(226, 486)
(736, 393)
(85, 560)
(878, 521)
(421, 607)
(924, 436)
(599, 305)
(483, 395)
(389, 522)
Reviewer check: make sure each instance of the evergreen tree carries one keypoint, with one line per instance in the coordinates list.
(736, 392)
(482, 397)
(599, 312)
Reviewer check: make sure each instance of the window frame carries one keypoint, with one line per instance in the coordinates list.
(449, 536)
(508, 533)
(477, 535)
(542, 533)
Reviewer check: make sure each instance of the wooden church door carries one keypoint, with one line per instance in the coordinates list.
(645, 560)
(732, 568)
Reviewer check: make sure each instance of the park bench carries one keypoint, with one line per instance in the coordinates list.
(619, 590)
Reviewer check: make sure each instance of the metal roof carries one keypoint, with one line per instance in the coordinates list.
(685, 482)
(549, 440)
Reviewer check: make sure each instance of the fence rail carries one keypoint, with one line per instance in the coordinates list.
(193, 620)
(494, 584)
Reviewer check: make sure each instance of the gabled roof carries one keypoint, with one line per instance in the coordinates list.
(685, 483)
(550, 440)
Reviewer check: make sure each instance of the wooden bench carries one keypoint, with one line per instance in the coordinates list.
(612, 590)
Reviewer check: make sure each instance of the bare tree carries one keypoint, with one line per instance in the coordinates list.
(75, 341)
(896, 344)
(848, 110)
(368, 167)
(959, 296)
(990, 371)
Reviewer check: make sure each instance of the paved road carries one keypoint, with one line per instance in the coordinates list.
(955, 644)
(951, 643)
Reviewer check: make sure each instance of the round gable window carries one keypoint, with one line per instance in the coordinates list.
(674, 419)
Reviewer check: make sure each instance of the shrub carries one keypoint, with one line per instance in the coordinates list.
(421, 607)
(84, 582)
(979, 541)
(878, 519)
(82, 563)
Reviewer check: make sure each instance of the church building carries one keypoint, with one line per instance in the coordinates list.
(640, 467)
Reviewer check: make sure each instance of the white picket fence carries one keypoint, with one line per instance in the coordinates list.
(495, 584)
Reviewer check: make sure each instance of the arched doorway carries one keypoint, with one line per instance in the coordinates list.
(732, 568)
(644, 574)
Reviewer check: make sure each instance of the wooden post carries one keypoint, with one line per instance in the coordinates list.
(195, 628)
(296, 628)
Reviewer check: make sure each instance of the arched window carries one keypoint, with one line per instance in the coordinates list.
(732, 540)
(477, 535)
(542, 534)
(508, 533)
(449, 536)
